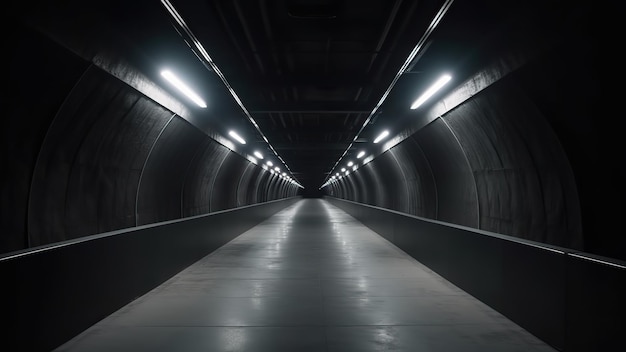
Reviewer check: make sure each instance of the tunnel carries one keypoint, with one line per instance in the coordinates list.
(312, 175)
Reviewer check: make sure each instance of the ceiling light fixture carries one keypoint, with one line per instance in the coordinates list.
(417, 49)
(237, 137)
(176, 82)
(350, 163)
(203, 55)
(432, 90)
(269, 163)
(360, 155)
(258, 154)
(381, 136)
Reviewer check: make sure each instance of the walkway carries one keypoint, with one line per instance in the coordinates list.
(310, 278)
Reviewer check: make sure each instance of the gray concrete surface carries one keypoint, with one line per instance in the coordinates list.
(311, 278)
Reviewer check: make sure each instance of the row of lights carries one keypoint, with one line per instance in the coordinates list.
(202, 54)
(188, 92)
(345, 171)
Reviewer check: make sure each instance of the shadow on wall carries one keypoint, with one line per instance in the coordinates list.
(94, 155)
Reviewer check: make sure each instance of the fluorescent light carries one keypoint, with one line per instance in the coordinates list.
(237, 137)
(432, 90)
(277, 168)
(170, 77)
(337, 174)
(381, 136)
(284, 174)
(350, 163)
(269, 163)
(360, 155)
(258, 154)
(343, 169)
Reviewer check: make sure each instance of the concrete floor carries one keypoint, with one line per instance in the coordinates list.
(311, 278)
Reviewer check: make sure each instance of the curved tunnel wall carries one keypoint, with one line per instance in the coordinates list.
(531, 153)
(95, 155)
(492, 163)
(515, 158)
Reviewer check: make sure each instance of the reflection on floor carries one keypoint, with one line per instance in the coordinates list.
(311, 278)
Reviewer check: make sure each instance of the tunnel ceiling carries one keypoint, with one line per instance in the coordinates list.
(316, 76)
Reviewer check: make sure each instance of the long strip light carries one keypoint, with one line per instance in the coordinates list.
(416, 49)
(201, 52)
(381, 136)
(176, 82)
(432, 90)
(237, 137)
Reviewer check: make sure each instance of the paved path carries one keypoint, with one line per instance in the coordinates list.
(310, 278)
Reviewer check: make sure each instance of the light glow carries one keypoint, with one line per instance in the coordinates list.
(381, 136)
(258, 154)
(360, 155)
(237, 137)
(176, 82)
(432, 90)
(350, 163)
(269, 163)
(343, 169)
(277, 168)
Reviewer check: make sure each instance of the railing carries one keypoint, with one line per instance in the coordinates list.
(52, 293)
(573, 301)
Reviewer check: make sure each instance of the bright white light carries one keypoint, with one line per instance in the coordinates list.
(258, 154)
(277, 168)
(432, 90)
(381, 136)
(237, 137)
(360, 155)
(350, 163)
(343, 169)
(337, 174)
(269, 163)
(284, 174)
(347, 173)
(170, 77)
